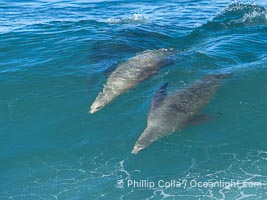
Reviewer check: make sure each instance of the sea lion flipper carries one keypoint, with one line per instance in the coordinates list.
(200, 119)
(159, 96)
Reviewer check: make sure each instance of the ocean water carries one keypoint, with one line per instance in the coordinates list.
(54, 59)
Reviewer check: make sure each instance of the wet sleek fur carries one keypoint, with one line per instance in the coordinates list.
(171, 113)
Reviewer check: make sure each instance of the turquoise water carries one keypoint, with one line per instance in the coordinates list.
(54, 59)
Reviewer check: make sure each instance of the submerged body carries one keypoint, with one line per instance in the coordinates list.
(169, 114)
(130, 73)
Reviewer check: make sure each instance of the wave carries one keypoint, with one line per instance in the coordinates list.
(223, 43)
(238, 15)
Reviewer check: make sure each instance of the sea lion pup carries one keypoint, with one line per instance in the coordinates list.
(171, 113)
(130, 73)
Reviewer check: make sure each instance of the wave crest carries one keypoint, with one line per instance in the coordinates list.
(238, 15)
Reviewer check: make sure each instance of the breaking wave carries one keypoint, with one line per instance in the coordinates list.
(238, 15)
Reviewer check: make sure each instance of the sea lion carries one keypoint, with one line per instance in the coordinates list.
(130, 73)
(171, 113)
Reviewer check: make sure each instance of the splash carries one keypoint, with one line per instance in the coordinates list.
(135, 18)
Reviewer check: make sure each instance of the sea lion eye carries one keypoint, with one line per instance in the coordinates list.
(98, 107)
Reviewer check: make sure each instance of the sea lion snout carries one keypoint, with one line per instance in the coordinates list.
(97, 105)
(137, 148)
(94, 109)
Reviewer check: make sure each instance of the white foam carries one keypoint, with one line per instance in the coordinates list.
(135, 18)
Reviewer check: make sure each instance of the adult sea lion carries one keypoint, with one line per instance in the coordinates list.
(171, 113)
(130, 73)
